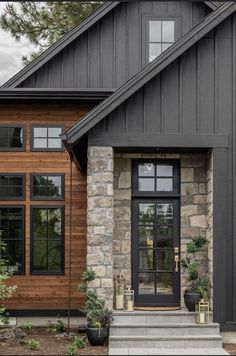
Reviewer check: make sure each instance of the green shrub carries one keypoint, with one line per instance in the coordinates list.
(27, 326)
(57, 327)
(80, 342)
(33, 344)
(72, 349)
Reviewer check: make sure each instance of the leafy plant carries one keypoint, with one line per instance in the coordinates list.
(57, 327)
(197, 283)
(33, 344)
(72, 349)
(6, 291)
(80, 342)
(95, 308)
(27, 326)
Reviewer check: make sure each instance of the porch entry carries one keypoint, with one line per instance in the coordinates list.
(156, 233)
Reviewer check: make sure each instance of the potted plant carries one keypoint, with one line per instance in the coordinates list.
(99, 317)
(198, 285)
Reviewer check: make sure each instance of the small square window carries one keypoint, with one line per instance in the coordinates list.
(161, 37)
(12, 186)
(47, 186)
(12, 138)
(46, 138)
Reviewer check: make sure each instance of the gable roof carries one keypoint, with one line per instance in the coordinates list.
(67, 39)
(145, 75)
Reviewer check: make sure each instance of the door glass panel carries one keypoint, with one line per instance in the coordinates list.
(146, 184)
(165, 260)
(164, 170)
(165, 231)
(146, 170)
(165, 242)
(164, 214)
(164, 184)
(146, 283)
(145, 235)
(146, 259)
(165, 283)
(146, 214)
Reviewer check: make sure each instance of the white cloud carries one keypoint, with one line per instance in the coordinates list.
(11, 52)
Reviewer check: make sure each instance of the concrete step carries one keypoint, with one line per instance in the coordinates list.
(156, 317)
(158, 341)
(174, 351)
(164, 329)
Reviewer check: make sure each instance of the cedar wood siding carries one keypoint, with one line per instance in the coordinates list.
(192, 103)
(112, 50)
(37, 291)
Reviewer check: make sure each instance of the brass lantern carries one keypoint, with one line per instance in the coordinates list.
(202, 312)
(129, 300)
(119, 284)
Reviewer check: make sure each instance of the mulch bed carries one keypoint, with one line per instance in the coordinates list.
(230, 348)
(50, 344)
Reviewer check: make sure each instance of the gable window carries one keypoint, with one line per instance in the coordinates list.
(161, 37)
(12, 186)
(46, 138)
(47, 236)
(12, 235)
(47, 186)
(12, 138)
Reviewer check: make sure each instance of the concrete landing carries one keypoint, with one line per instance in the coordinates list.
(188, 351)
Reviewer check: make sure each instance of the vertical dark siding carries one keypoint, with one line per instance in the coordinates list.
(112, 50)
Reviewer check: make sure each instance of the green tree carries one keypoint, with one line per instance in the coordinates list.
(43, 23)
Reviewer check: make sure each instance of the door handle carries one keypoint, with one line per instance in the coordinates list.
(176, 263)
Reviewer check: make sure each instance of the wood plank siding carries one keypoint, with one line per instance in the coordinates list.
(113, 49)
(49, 291)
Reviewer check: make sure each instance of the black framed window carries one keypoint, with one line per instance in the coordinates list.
(47, 239)
(12, 234)
(153, 178)
(161, 36)
(12, 186)
(46, 138)
(47, 186)
(12, 138)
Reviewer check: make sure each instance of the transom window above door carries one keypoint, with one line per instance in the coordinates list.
(46, 138)
(161, 36)
(156, 177)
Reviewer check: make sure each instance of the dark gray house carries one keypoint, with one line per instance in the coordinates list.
(147, 94)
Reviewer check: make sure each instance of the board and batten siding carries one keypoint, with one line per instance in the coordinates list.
(112, 50)
(48, 292)
(192, 103)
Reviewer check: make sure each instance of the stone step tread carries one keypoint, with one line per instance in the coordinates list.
(155, 313)
(163, 338)
(166, 325)
(161, 351)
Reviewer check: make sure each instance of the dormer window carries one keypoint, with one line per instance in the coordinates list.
(161, 37)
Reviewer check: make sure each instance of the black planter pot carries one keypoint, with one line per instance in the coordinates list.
(190, 298)
(97, 336)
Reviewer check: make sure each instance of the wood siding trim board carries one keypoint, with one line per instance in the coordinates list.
(149, 72)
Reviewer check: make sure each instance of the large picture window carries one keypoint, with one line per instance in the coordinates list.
(12, 235)
(12, 138)
(47, 240)
(46, 138)
(47, 186)
(12, 186)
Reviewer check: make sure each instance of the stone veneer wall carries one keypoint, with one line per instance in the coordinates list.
(100, 220)
(196, 178)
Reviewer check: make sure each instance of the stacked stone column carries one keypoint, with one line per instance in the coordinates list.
(100, 220)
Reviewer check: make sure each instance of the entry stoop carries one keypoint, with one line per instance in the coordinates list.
(163, 333)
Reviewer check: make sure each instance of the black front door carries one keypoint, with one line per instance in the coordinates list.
(155, 233)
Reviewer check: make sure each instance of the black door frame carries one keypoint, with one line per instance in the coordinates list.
(172, 300)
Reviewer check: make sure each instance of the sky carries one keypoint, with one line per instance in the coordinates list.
(11, 52)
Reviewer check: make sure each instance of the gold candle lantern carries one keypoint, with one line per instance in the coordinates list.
(202, 312)
(119, 284)
(129, 300)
